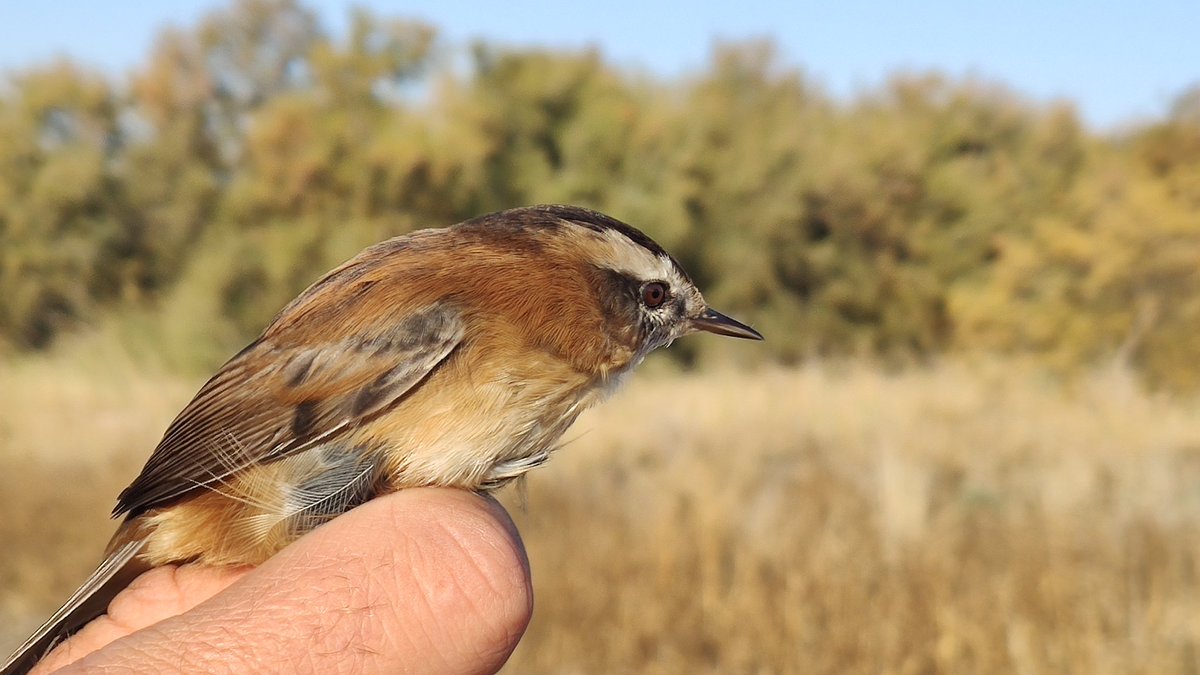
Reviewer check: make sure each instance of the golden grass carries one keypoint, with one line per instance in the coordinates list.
(825, 520)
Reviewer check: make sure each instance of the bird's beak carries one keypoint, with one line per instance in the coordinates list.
(715, 322)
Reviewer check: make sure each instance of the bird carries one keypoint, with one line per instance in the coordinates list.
(451, 357)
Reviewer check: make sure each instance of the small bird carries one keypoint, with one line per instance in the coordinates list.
(449, 357)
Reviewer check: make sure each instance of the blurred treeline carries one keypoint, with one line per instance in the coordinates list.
(250, 153)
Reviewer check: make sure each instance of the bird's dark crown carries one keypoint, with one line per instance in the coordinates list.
(553, 216)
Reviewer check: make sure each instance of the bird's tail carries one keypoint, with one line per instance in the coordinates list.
(120, 567)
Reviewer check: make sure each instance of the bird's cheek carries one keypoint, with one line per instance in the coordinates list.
(662, 336)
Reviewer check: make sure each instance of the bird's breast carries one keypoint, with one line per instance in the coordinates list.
(477, 423)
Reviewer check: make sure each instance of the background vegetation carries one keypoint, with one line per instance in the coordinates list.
(253, 151)
(900, 479)
(826, 520)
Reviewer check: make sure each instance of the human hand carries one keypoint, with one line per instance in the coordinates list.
(423, 580)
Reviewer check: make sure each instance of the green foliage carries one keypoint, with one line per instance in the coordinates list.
(252, 152)
(62, 244)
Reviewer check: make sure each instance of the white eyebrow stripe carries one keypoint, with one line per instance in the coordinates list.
(633, 259)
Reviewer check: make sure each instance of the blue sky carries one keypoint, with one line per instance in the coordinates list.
(1118, 61)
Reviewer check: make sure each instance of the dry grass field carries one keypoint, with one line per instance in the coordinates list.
(834, 519)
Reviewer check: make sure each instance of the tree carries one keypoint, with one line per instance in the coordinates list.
(62, 247)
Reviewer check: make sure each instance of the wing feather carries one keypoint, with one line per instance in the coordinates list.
(271, 400)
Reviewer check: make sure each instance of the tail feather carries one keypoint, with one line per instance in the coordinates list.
(118, 570)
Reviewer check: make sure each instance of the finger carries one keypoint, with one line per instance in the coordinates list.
(161, 593)
(426, 580)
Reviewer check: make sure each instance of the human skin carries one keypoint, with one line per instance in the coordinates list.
(422, 580)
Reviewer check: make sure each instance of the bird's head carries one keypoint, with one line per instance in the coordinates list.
(635, 292)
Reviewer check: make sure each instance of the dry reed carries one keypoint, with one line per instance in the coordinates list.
(833, 519)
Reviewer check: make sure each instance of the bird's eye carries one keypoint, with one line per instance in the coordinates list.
(654, 294)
